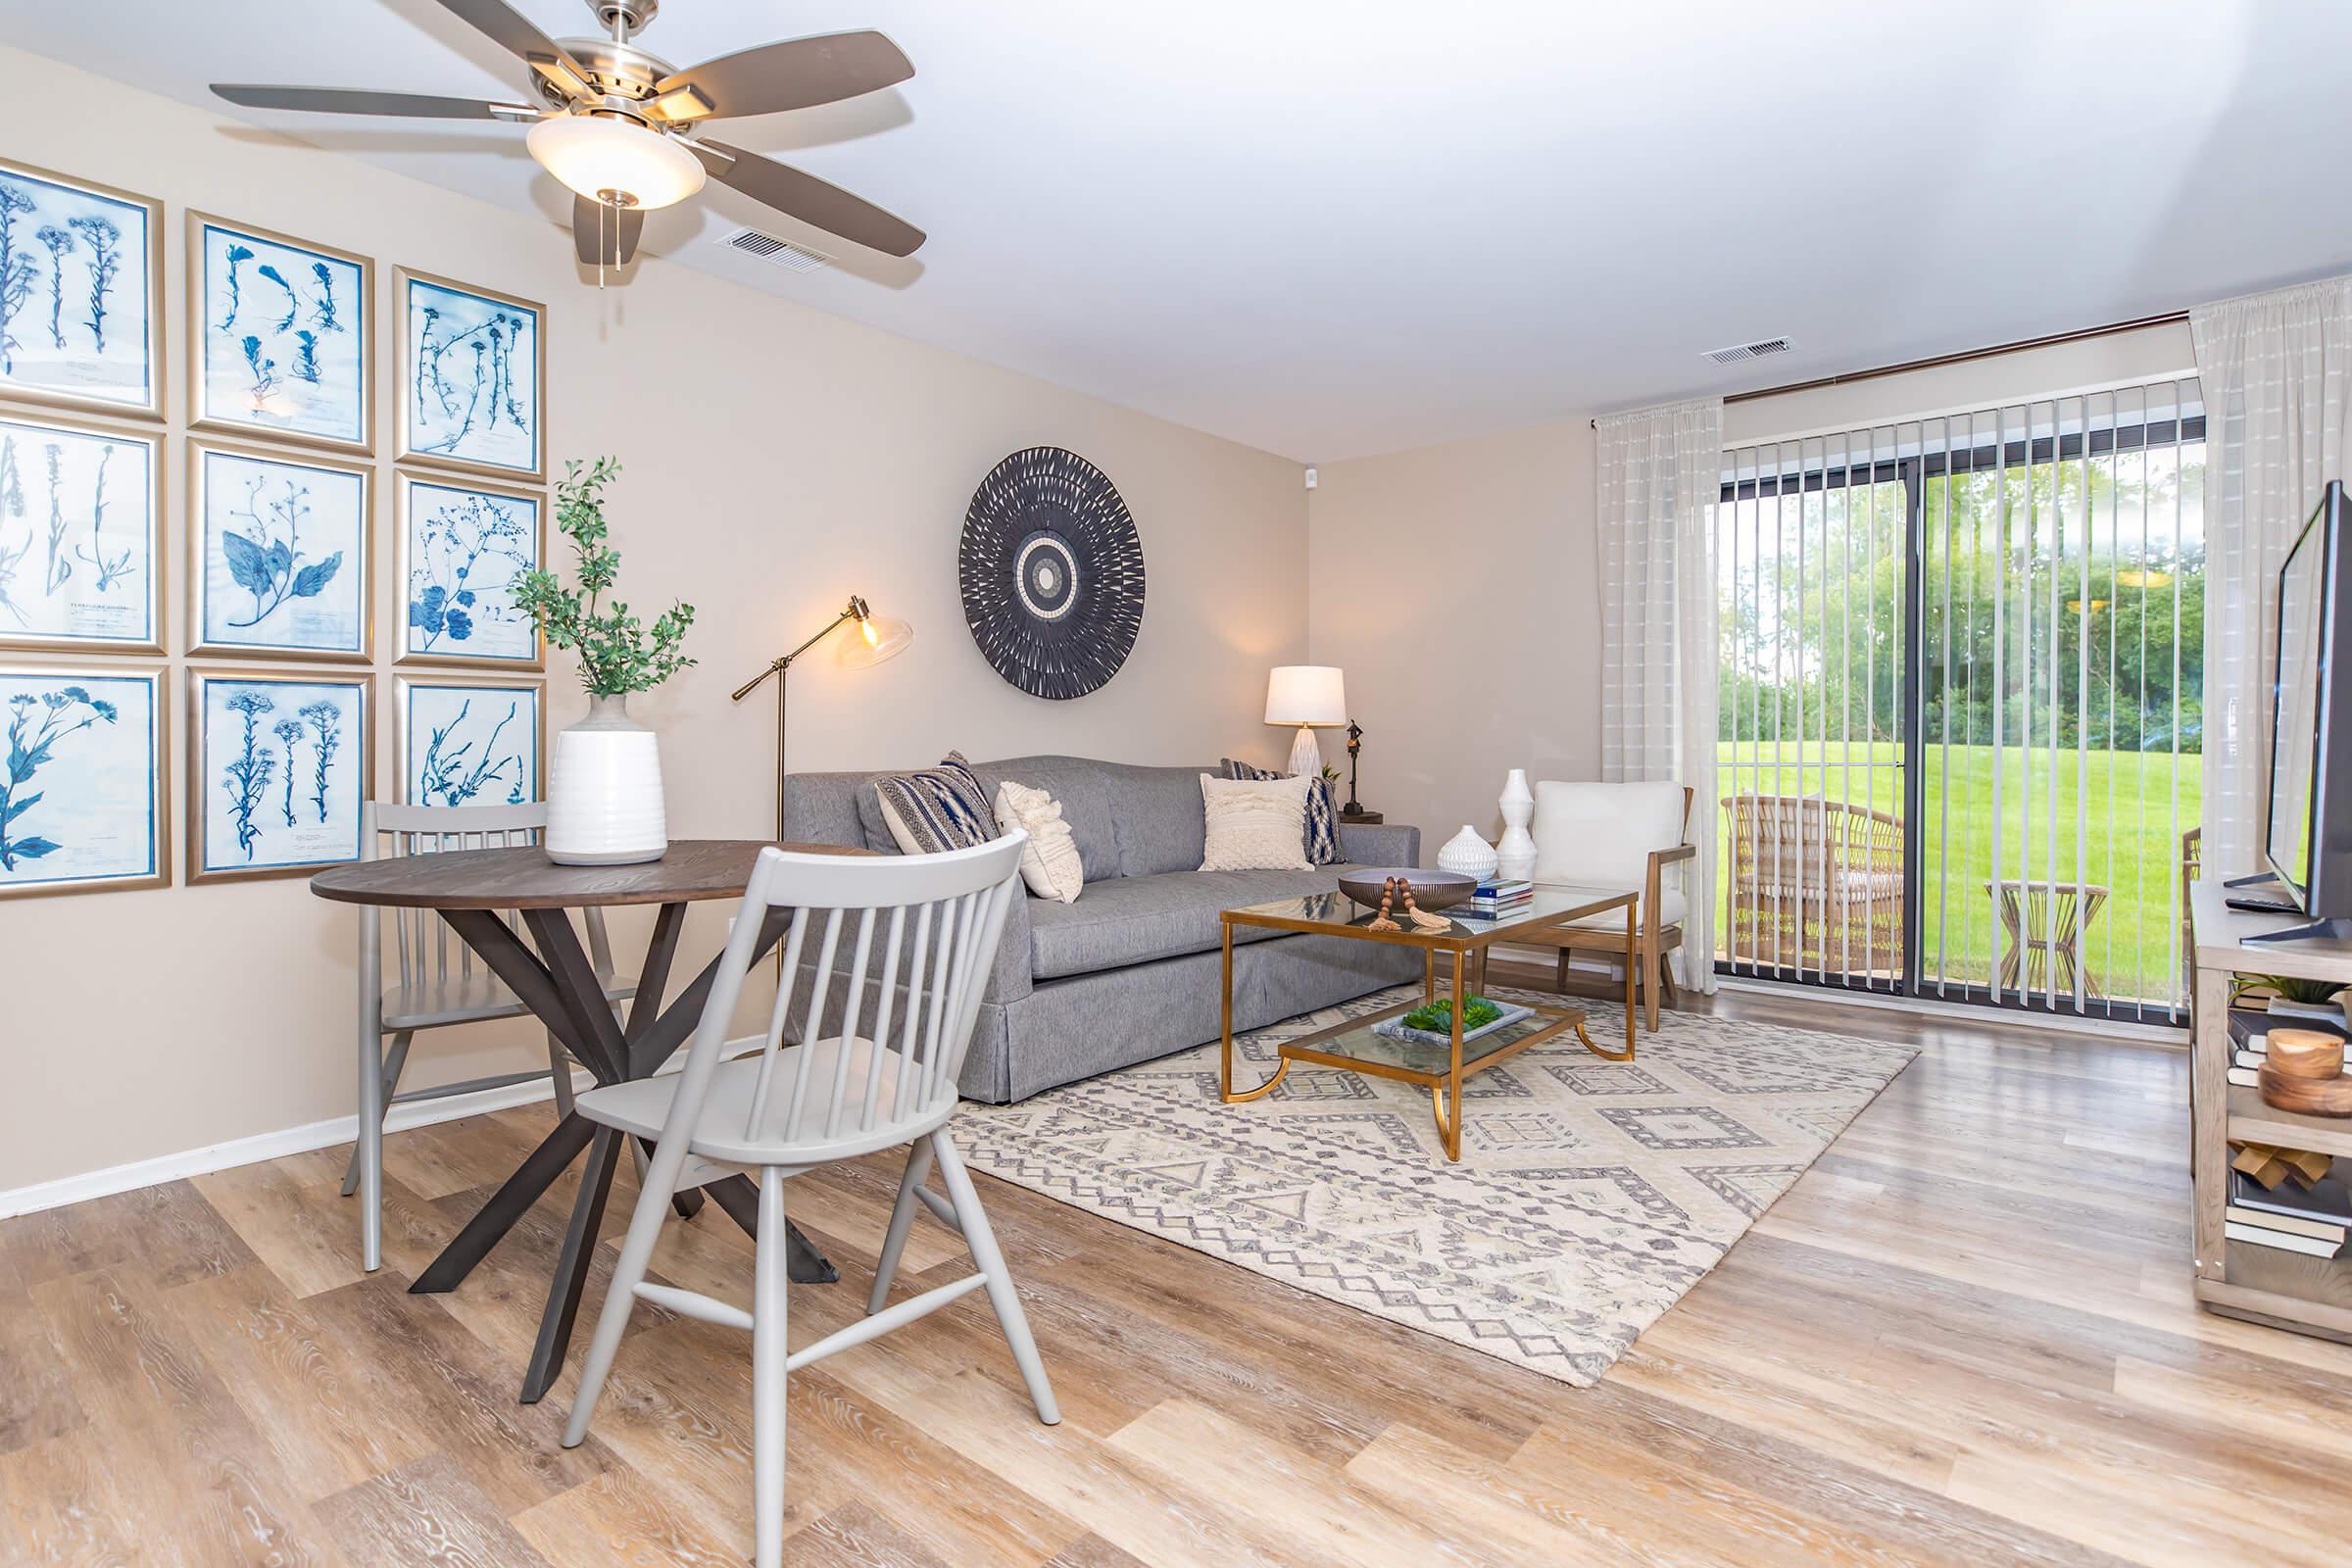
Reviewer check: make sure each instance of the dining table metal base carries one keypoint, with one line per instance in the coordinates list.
(560, 986)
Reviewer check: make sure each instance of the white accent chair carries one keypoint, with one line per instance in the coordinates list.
(1619, 836)
(435, 983)
(874, 1070)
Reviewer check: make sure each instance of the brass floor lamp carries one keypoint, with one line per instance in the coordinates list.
(879, 637)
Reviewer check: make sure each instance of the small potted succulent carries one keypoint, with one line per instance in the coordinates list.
(604, 786)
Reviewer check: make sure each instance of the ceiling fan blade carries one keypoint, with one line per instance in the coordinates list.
(514, 33)
(612, 230)
(340, 100)
(796, 74)
(808, 198)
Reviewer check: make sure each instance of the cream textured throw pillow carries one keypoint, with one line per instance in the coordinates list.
(1254, 825)
(1050, 859)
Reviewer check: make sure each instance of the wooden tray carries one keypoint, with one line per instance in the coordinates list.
(2313, 1097)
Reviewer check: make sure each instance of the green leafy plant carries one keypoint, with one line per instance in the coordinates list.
(2288, 988)
(618, 652)
(1477, 1013)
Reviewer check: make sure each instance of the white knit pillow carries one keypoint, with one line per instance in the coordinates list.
(1050, 859)
(1254, 825)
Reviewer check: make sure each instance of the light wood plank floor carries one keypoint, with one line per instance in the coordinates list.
(1966, 1337)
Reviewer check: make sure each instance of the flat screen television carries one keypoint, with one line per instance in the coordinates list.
(2307, 836)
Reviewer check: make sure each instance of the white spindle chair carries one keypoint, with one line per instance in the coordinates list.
(436, 980)
(876, 1070)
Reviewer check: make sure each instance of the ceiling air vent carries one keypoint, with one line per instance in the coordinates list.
(776, 252)
(1748, 351)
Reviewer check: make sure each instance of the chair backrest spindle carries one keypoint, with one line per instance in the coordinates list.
(849, 1084)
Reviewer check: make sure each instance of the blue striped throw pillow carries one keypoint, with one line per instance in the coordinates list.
(1322, 812)
(935, 809)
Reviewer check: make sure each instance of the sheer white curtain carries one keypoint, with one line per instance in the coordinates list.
(1659, 477)
(2276, 369)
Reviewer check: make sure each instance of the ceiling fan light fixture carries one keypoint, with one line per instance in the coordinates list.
(596, 156)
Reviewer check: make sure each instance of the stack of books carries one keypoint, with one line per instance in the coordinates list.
(1496, 899)
(2312, 1220)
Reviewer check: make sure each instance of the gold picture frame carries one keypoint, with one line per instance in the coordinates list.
(404, 687)
(152, 405)
(12, 636)
(30, 823)
(404, 484)
(201, 417)
(405, 447)
(204, 776)
(199, 644)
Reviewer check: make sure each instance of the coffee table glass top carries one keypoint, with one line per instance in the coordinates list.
(1339, 915)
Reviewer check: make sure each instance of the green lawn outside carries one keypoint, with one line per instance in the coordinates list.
(2132, 846)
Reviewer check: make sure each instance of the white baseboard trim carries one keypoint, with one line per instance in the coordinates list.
(32, 1199)
(266, 1146)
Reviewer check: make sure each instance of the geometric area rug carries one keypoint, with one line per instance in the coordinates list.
(1589, 1196)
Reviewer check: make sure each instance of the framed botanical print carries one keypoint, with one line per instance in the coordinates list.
(470, 742)
(83, 303)
(81, 800)
(80, 515)
(462, 547)
(278, 336)
(278, 767)
(472, 377)
(279, 548)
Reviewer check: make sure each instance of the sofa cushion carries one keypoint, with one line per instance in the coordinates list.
(1322, 812)
(1135, 919)
(934, 810)
(1156, 812)
(1084, 790)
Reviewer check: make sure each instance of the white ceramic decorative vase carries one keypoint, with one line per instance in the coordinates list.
(603, 791)
(1467, 853)
(1515, 854)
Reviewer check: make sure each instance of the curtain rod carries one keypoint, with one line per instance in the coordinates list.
(2048, 340)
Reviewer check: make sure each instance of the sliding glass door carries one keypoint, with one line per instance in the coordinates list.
(1959, 712)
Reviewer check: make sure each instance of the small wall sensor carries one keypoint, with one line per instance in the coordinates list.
(1310, 478)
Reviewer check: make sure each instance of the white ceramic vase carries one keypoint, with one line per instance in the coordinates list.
(1515, 854)
(1467, 853)
(603, 791)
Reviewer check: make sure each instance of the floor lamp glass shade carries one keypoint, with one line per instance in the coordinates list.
(1307, 695)
(871, 641)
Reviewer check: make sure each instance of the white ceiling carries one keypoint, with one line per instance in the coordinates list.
(1332, 227)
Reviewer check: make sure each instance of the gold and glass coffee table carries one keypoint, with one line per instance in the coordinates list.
(1461, 948)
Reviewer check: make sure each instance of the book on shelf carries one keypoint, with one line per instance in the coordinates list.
(2245, 1077)
(2280, 1241)
(2327, 1204)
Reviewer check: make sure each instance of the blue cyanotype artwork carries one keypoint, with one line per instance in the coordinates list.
(465, 549)
(280, 772)
(469, 744)
(74, 293)
(77, 794)
(283, 338)
(284, 554)
(473, 376)
(77, 536)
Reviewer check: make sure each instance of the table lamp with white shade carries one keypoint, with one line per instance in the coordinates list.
(1312, 697)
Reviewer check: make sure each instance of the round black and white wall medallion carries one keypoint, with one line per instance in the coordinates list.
(1052, 574)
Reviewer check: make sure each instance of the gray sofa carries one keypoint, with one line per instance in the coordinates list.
(1130, 971)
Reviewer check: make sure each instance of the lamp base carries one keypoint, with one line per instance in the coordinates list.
(1306, 754)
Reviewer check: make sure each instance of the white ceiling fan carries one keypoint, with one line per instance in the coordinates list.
(622, 127)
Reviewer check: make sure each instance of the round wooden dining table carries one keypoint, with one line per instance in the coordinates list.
(476, 890)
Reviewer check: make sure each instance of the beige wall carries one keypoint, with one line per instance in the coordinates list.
(1455, 586)
(1500, 531)
(812, 457)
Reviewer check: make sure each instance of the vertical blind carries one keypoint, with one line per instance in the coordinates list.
(1960, 709)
